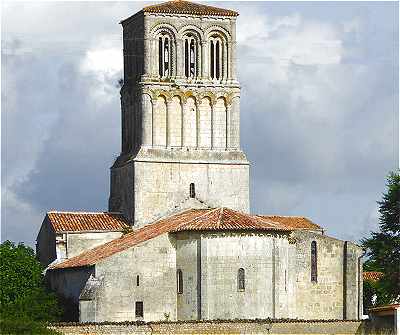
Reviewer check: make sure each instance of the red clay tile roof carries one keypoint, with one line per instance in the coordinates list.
(187, 7)
(216, 219)
(372, 276)
(80, 221)
(292, 222)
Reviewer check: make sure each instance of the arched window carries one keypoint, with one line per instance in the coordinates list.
(179, 281)
(164, 56)
(314, 274)
(215, 58)
(137, 280)
(192, 191)
(241, 279)
(190, 57)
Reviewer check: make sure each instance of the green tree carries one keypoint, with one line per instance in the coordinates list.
(383, 247)
(25, 304)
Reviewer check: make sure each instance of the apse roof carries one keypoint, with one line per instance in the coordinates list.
(187, 7)
(292, 222)
(86, 221)
(216, 219)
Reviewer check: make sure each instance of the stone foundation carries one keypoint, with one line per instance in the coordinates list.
(296, 327)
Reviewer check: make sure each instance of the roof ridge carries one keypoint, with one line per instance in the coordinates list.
(208, 211)
(188, 7)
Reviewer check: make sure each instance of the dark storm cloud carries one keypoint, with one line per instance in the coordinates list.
(318, 109)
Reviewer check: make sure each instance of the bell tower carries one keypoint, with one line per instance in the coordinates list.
(180, 113)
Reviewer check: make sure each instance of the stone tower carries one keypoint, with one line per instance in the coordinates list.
(180, 113)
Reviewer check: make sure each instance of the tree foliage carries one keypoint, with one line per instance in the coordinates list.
(383, 247)
(24, 301)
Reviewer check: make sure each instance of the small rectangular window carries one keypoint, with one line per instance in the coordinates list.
(139, 309)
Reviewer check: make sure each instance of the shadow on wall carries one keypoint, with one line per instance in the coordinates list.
(70, 309)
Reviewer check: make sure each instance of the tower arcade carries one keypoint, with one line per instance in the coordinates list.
(180, 113)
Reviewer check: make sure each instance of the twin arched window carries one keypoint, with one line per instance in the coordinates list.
(215, 58)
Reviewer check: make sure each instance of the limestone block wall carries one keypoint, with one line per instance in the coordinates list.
(353, 281)
(298, 327)
(154, 261)
(187, 261)
(160, 186)
(210, 263)
(326, 298)
(264, 259)
(51, 246)
(122, 197)
(46, 244)
(79, 242)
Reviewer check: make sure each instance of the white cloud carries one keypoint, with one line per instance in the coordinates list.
(103, 61)
(289, 40)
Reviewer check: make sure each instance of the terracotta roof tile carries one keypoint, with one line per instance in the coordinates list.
(216, 219)
(292, 222)
(227, 219)
(187, 7)
(372, 276)
(81, 221)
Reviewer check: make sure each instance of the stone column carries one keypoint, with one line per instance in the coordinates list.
(232, 61)
(147, 120)
(212, 124)
(234, 124)
(205, 60)
(228, 126)
(168, 122)
(179, 59)
(197, 124)
(232, 52)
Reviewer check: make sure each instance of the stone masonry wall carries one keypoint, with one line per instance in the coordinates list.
(264, 260)
(154, 262)
(217, 257)
(295, 327)
(160, 186)
(326, 298)
(79, 242)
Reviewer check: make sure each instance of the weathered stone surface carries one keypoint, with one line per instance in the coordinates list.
(297, 327)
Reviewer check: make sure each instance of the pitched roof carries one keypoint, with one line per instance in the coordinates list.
(187, 7)
(217, 219)
(84, 221)
(372, 275)
(293, 222)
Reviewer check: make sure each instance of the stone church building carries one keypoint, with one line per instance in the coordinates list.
(178, 241)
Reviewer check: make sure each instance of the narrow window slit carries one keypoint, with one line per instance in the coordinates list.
(179, 281)
(192, 191)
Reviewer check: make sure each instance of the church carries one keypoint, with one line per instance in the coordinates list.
(178, 241)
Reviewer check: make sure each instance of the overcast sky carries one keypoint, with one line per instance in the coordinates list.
(319, 108)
